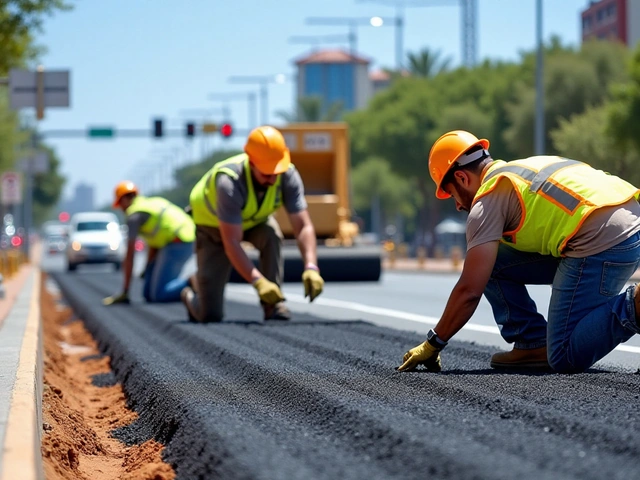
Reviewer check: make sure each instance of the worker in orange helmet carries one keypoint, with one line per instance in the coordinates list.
(540, 220)
(168, 232)
(234, 202)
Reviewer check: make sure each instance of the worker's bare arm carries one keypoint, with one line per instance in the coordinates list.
(467, 293)
(231, 237)
(305, 235)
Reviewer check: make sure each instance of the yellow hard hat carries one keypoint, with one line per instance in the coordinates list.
(445, 153)
(267, 150)
(123, 188)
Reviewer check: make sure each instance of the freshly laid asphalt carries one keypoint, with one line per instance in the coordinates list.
(319, 399)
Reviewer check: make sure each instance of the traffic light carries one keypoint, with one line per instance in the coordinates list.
(63, 217)
(226, 129)
(158, 128)
(191, 129)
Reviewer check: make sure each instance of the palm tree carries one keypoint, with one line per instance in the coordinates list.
(427, 63)
(310, 109)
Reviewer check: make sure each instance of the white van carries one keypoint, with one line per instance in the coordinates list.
(94, 237)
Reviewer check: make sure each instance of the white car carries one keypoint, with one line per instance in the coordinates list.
(94, 237)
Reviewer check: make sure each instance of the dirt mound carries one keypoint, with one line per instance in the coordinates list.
(79, 415)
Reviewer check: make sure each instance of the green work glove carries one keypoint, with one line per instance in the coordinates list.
(269, 292)
(424, 354)
(119, 298)
(313, 283)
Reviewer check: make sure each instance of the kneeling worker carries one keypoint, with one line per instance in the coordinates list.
(234, 202)
(169, 233)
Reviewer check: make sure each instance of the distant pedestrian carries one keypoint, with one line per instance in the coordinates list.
(540, 220)
(169, 234)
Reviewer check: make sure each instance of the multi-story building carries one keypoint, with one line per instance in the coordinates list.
(335, 76)
(612, 19)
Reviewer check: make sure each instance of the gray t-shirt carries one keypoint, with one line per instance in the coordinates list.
(232, 195)
(499, 211)
(135, 222)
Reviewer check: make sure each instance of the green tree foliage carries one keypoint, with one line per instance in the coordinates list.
(623, 121)
(427, 63)
(573, 82)
(584, 138)
(311, 109)
(47, 188)
(374, 177)
(19, 20)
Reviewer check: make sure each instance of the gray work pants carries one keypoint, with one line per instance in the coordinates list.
(214, 267)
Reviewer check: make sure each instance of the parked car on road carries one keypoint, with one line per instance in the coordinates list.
(94, 237)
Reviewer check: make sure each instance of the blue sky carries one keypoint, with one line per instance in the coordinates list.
(133, 60)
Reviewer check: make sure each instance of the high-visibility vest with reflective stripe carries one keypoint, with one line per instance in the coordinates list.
(166, 221)
(556, 195)
(203, 196)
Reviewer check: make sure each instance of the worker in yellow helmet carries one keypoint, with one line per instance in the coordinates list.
(539, 220)
(169, 233)
(234, 202)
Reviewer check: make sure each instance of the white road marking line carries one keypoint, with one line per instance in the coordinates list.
(387, 312)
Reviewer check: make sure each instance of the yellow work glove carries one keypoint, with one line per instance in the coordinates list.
(119, 298)
(269, 292)
(424, 354)
(313, 283)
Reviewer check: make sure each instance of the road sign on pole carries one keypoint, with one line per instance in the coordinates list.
(38, 162)
(11, 186)
(38, 89)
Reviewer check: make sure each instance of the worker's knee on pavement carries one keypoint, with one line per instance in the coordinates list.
(560, 363)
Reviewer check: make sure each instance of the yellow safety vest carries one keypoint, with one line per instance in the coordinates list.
(556, 195)
(203, 196)
(166, 222)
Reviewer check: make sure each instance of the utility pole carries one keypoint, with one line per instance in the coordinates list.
(539, 132)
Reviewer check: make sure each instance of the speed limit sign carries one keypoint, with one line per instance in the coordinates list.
(11, 188)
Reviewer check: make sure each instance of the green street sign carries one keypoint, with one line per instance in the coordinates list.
(101, 132)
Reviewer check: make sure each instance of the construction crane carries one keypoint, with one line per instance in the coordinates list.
(468, 24)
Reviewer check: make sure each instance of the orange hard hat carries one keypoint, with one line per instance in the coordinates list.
(267, 150)
(122, 189)
(446, 152)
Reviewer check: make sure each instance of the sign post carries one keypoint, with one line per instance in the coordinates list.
(36, 89)
(11, 186)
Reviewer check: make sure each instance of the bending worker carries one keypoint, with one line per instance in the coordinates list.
(234, 202)
(169, 233)
(542, 220)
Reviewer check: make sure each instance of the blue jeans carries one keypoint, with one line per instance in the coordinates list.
(588, 316)
(161, 282)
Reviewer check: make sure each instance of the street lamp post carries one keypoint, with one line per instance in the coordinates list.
(539, 132)
(263, 81)
(252, 117)
(352, 23)
(317, 40)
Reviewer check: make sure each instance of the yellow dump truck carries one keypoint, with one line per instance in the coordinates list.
(320, 152)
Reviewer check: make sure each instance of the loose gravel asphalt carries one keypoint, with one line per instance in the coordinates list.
(320, 399)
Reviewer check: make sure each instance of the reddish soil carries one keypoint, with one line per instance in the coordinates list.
(78, 416)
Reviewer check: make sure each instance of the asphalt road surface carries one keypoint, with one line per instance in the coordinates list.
(318, 397)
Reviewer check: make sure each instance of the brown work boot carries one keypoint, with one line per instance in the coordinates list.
(279, 311)
(188, 297)
(193, 283)
(519, 358)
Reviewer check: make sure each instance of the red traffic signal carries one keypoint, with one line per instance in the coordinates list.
(226, 129)
(191, 129)
(64, 216)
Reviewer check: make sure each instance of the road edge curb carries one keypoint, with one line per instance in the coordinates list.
(21, 449)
